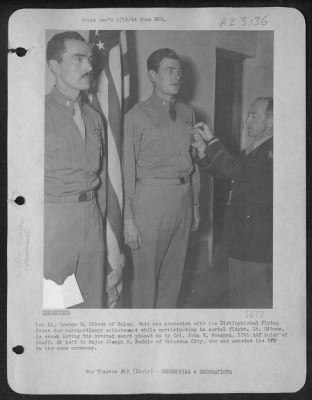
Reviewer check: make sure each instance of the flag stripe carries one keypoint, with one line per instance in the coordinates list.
(123, 43)
(116, 72)
(102, 94)
(114, 114)
(114, 214)
(126, 87)
(113, 253)
(114, 169)
(125, 70)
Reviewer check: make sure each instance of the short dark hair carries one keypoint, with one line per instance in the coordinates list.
(56, 45)
(157, 56)
(269, 101)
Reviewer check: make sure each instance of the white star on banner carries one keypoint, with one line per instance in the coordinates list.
(100, 45)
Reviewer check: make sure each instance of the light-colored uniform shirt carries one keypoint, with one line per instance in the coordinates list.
(72, 164)
(157, 147)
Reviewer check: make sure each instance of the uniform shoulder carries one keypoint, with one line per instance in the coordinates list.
(141, 105)
(51, 108)
(138, 108)
(267, 145)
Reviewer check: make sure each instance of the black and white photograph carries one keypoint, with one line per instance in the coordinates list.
(133, 218)
(160, 247)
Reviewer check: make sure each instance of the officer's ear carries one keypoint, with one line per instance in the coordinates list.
(54, 66)
(152, 75)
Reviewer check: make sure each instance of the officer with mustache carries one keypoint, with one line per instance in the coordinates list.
(75, 179)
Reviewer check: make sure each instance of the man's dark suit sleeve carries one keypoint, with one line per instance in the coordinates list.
(220, 162)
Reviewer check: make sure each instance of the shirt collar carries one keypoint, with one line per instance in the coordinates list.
(64, 100)
(259, 142)
(156, 100)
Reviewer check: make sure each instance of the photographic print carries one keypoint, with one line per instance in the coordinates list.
(160, 247)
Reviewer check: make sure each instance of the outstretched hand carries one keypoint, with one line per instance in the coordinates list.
(201, 135)
(204, 130)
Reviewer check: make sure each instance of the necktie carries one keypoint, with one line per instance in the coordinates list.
(172, 111)
(77, 117)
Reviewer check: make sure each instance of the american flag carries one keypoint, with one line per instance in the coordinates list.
(110, 94)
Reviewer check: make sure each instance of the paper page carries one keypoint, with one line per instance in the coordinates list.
(203, 345)
(61, 296)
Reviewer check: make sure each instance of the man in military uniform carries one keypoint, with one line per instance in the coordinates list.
(249, 220)
(161, 186)
(74, 173)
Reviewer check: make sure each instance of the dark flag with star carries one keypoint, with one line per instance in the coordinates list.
(109, 96)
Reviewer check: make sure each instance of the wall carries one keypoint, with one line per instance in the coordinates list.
(258, 74)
